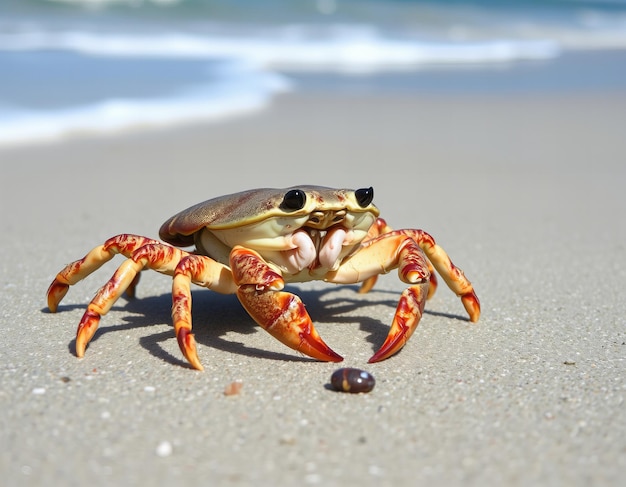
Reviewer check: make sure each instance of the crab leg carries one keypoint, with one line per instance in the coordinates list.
(379, 228)
(374, 255)
(403, 249)
(386, 252)
(405, 321)
(158, 256)
(452, 275)
(203, 271)
(124, 244)
(412, 268)
(282, 314)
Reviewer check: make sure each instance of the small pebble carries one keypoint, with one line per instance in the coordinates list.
(164, 449)
(352, 380)
(233, 388)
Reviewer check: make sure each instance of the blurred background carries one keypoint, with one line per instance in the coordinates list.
(69, 66)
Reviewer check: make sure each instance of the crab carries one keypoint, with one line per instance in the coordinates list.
(253, 242)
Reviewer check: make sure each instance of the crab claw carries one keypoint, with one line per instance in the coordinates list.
(281, 313)
(284, 317)
(405, 321)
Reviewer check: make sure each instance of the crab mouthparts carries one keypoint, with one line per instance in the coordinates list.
(319, 243)
(323, 220)
(327, 245)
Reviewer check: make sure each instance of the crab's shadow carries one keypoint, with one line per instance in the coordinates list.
(218, 317)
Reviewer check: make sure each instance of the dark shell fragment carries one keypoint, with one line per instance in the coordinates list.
(352, 380)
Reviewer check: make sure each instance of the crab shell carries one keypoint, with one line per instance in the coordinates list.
(302, 228)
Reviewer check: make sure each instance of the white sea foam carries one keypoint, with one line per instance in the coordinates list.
(351, 49)
(244, 78)
(253, 59)
(238, 90)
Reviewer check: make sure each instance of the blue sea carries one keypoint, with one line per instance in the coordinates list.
(98, 66)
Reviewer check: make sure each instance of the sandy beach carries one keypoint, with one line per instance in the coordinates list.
(525, 193)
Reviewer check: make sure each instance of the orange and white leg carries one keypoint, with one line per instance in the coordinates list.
(157, 256)
(280, 313)
(389, 251)
(124, 244)
(205, 272)
(452, 275)
(378, 228)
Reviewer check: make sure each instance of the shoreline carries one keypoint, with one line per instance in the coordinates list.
(572, 74)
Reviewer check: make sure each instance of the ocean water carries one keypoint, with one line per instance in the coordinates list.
(97, 66)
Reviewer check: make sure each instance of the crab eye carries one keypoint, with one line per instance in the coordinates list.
(364, 196)
(294, 200)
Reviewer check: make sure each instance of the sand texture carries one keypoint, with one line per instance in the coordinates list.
(526, 193)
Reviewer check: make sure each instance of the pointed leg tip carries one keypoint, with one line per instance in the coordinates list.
(192, 358)
(53, 303)
(197, 366)
(311, 344)
(405, 321)
(379, 357)
(336, 358)
(319, 350)
(55, 294)
(330, 354)
(392, 345)
(472, 306)
(389, 348)
(86, 330)
(80, 347)
(187, 345)
(367, 285)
